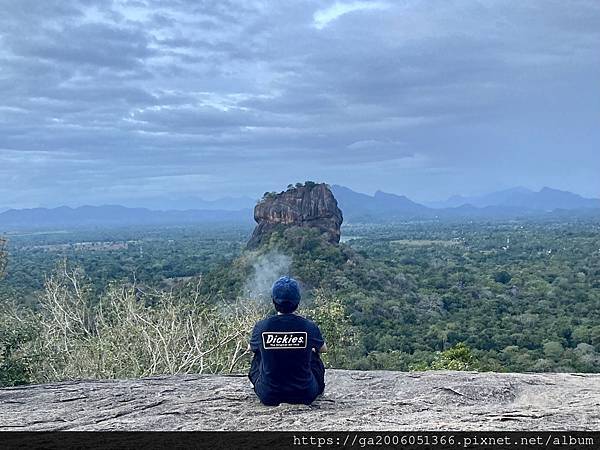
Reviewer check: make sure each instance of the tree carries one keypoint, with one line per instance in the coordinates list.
(337, 329)
(16, 332)
(502, 277)
(458, 357)
(553, 350)
(3, 256)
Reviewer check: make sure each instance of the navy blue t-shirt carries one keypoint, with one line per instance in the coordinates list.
(285, 343)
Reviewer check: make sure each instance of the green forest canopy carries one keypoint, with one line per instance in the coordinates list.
(516, 296)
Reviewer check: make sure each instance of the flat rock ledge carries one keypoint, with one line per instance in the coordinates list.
(353, 400)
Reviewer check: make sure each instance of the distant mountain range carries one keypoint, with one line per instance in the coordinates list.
(381, 206)
(193, 202)
(114, 215)
(546, 199)
(356, 207)
(517, 202)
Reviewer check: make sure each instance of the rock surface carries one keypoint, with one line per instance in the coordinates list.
(309, 205)
(353, 400)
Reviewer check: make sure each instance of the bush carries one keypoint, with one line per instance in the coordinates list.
(341, 336)
(502, 277)
(15, 334)
(3, 256)
(457, 357)
(129, 332)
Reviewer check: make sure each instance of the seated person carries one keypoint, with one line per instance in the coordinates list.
(286, 366)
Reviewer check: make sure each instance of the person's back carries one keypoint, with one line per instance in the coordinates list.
(286, 365)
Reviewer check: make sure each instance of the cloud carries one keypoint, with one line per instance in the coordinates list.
(106, 101)
(323, 17)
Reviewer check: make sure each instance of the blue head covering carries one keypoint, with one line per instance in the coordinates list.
(286, 290)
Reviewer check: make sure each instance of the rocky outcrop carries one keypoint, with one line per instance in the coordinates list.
(353, 400)
(309, 205)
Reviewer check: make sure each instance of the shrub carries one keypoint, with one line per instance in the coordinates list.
(3, 256)
(457, 357)
(129, 332)
(15, 334)
(502, 277)
(329, 313)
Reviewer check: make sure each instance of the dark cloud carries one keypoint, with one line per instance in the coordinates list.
(122, 100)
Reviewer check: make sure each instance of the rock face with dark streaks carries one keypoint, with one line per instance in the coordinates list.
(309, 205)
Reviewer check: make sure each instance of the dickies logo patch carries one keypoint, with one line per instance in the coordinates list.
(277, 340)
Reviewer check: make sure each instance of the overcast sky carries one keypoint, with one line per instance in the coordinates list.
(124, 101)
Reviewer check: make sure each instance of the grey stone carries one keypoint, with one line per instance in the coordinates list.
(353, 400)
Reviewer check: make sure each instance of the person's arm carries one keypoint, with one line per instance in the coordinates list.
(254, 340)
(317, 342)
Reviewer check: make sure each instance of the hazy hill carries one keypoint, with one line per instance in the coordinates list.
(384, 207)
(493, 198)
(356, 207)
(192, 202)
(113, 215)
(547, 199)
(380, 206)
(517, 202)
